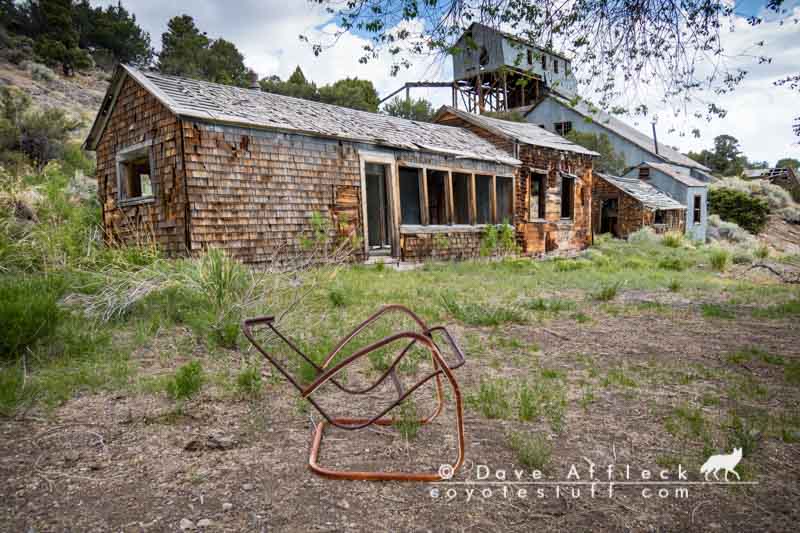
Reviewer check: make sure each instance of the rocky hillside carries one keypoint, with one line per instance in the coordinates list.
(80, 96)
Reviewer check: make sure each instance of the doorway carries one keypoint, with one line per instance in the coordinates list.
(378, 234)
(608, 217)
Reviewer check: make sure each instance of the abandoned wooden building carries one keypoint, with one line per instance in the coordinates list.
(621, 206)
(553, 201)
(200, 165)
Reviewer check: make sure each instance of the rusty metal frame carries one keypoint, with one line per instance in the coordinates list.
(441, 368)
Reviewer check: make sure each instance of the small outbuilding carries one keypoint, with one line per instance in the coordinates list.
(621, 206)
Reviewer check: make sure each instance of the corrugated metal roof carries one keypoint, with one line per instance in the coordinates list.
(679, 173)
(635, 136)
(252, 108)
(523, 132)
(642, 191)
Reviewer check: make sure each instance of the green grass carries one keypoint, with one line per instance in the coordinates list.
(716, 311)
(719, 259)
(542, 399)
(492, 400)
(792, 373)
(606, 292)
(674, 285)
(552, 305)
(248, 382)
(406, 419)
(672, 239)
(533, 451)
(187, 381)
(475, 314)
(618, 377)
(782, 310)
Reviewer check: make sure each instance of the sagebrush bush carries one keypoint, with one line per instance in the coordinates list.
(719, 258)
(187, 381)
(732, 205)
(672, 239)
(29, 313)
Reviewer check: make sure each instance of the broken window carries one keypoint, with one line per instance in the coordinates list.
(483, 199)
(410, 212)
(562, 128)
(660, 217)
(698, 208)
(538, 193)
(461, 198)
(437, 198)
(505, 199)
(567, 195)
(134, 174)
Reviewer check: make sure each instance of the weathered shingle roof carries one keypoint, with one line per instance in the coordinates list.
(642, 191)
(523, 132)
(218, 103)
(679, 173)
(615, 125)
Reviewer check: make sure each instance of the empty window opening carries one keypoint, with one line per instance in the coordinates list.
(483, 199)
(660, 217)
(505, 200)
(437, 198)
(698, 208)
(134, 174)
(567, 195)
(537, 203)
(555, 66)
(562, 128)
(461, 198)
(377, 206)
(644, 173)
(530, 57)
(544, 62)
(409, 196)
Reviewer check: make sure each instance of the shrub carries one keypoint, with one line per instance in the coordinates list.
(746, 210)
(762, 252)
(719, 259)
(673, 239)
(645, 235)
(248, 382)
(499, 240)
(29, 313)
(186, 382)
(606, 292)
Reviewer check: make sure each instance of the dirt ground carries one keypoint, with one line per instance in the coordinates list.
(131, 462)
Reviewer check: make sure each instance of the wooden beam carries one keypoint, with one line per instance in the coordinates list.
(451, 215)
(493, 201)
(473, 206)
(423, 191)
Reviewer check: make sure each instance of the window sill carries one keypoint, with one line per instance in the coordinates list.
(136, 201)
(441, 228)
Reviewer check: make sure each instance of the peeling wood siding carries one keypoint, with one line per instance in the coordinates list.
(632, 215)
(552, 233)
(138, 117)
(555, 233)
(253, 192)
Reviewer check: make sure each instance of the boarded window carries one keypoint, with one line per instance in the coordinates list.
(698, 208)
(437, 198)
(483, 199)
(461, 198)
(562, 128)
(134, 174)
(567, 196)
(505, 199)
(409, 196)
(538, 195)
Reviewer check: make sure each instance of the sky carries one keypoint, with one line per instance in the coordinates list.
(760, 114)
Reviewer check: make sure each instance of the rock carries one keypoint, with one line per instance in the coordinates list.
(247, 486)
(227, 506)
(343, 504)
(186, 524)
(215, 441)
(204, 523)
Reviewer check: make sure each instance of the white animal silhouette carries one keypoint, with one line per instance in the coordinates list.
(726, 462)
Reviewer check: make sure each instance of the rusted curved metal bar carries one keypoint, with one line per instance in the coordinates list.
(441, 368)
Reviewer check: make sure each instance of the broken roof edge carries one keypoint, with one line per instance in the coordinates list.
(98, 127)
(511, 36)
(480, 122)
(629, 185)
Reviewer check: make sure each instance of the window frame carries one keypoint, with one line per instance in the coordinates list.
(541, 208)
(571, 180)
(511, 195)
(560, 126)
(123, 158)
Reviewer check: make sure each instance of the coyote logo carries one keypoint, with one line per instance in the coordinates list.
(726, 462)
